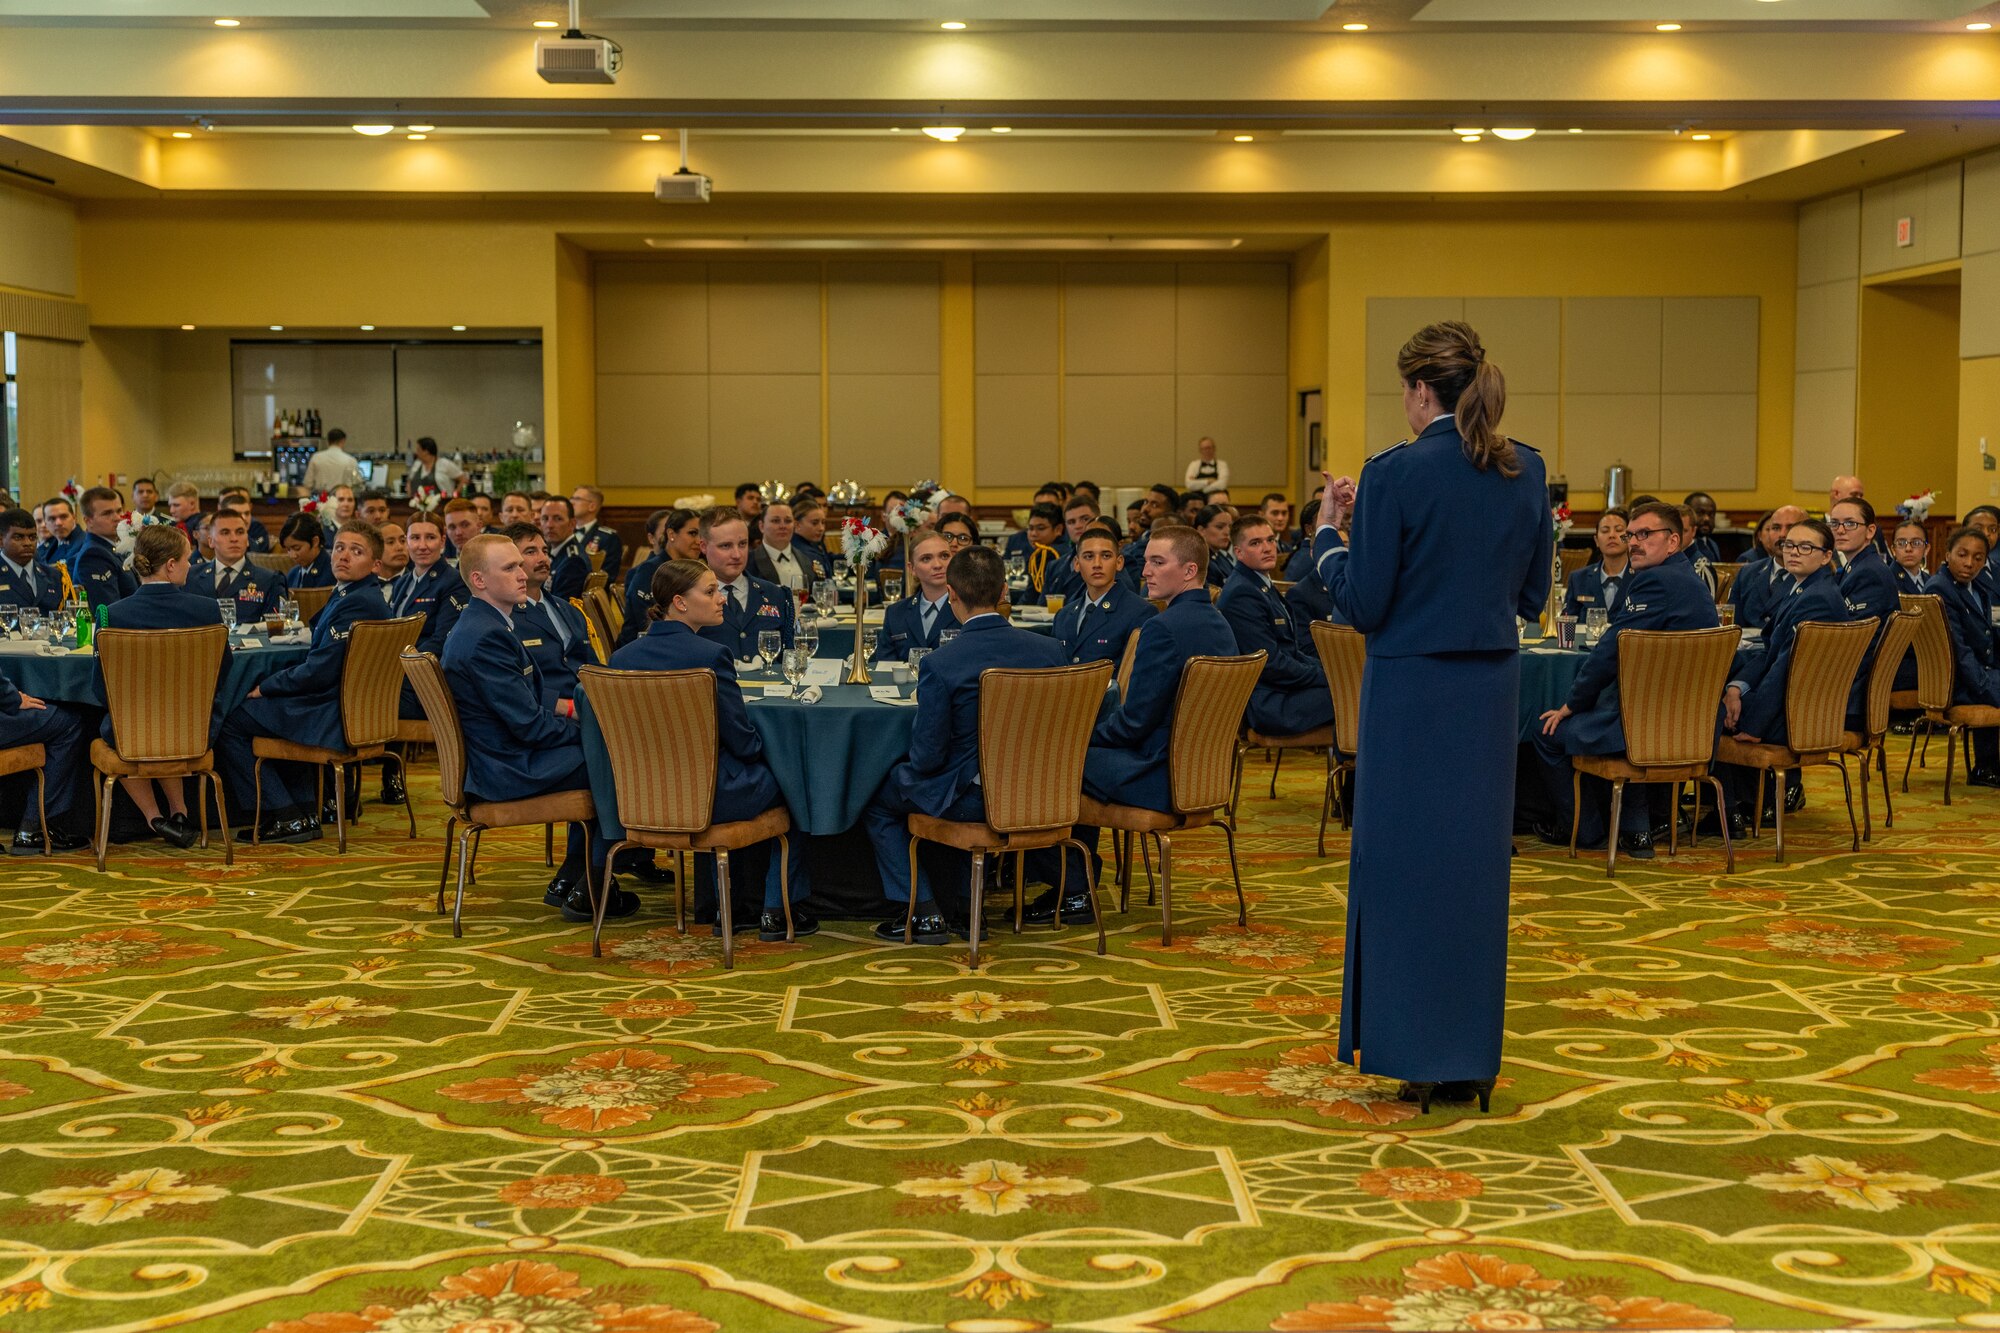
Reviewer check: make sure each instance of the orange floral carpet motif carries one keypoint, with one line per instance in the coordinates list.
(281, 1097)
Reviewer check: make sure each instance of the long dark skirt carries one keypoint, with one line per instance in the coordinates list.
(1426, 969)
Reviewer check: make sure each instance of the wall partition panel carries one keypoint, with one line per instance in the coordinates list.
(1017, 362)
(883, 347)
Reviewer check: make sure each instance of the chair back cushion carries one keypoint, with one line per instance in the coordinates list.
(1208, 717)
(659, 732)
(596, 578)
(1670, 685)
(1897, 635)
(1824, 662)
(1034, 727)
(1343, 654)
(311, 602)
(275, 561)
(426, 677)
(160, 687)
(371, 681)
(1125, 663)
(1725, 579)
(1935, 666)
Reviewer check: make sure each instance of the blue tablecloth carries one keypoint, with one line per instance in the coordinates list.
(836, 637)
(1546, 675)
(73, 678)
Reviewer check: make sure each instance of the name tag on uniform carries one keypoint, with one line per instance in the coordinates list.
(531, 643)
(528, 670)
(1993, 614)
(1585, 597)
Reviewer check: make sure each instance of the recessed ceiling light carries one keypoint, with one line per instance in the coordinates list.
(1246, 138)
(1576, 131)
(422, 129)
(187, 328)
(373, 131)
(944, 133)
(1003, 129)
(1467, 129)
(458, 328)
(1977, 27)
(182, 134)
(416, 138)
(1666, 27)
(1354, 27)
(1703, 138)
(229, 23)
(1514, 136)
(650, 138)
(277, 328)
(547, 23)
(952, 25)
(368, 328)
(1468, 138)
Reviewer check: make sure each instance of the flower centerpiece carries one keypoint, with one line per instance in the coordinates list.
(861, 542)
(312, 504)
(427, 500)
(916, 510)
(1918, 507)
(128, 531)
(695, 502)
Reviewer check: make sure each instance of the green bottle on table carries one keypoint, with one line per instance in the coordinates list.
(86, 624)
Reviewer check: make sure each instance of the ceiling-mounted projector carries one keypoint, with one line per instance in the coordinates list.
(576, 56)
(684, 186)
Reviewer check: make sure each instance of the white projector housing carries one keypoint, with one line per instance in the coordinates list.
(575, 58)
(683, 187)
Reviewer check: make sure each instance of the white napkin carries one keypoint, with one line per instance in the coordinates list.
(31, 648)
(809, 695)
(300, 635)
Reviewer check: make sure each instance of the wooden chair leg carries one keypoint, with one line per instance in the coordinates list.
(1575, 808)
(978, 902)
(1674, 822)
(1277, 758)
(910, 912)
(470, 833)
(472, 871)
(1722, 818)
(1921, 724)
(103, 823)
(1166, 887)
(725, 910)
(1242, 908)
(1021, 891)
(1325, 809)
(408, 808)
(1950, 751)
(222, 815)
(1121, 846)
(1779, 805)
(1867, 824)
(1888, 805)
(1694, 828)
(1146, 856)
(784, 883)
(600, 894)
(1096, 917)
(444, 871)
(1847, 790)
(257, 811)
(1611, 837)
(340, 806)
(548, 844)
(1757, 808)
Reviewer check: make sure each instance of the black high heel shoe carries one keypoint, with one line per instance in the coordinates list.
(1455, 1090)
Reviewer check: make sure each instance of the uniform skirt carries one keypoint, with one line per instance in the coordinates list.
(1426, 965)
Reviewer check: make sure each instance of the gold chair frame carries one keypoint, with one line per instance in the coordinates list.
(168, 678)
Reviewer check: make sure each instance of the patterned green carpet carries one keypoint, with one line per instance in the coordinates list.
(283, 1097)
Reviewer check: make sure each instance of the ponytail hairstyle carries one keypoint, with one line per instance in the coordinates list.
(670, 580)
(1450, 359)
(156, 547)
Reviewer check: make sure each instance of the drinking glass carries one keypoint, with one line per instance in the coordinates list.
(916, 660)
(1017, 569)
(806, 636)
(826, 596)
(841, 573)
(868, 640)
(794, 664)
(1054, 601)
(227, 605)
(892, 588)
(290, 608)
(1595, 622)
(31, 622)
(945, 636)
(769, 644)
(10, 617)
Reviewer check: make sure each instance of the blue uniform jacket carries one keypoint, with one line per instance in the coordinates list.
(903, 628)
(47, 594)
(1300, 564)
(638, 599)
(302, 702)
(516, 746)
(944, 740)
(319, 574)
(1763, 674)
(1291, 695)
(1968, 613)
(1669, 596)
(1220, 566)
(769, 606)
(1133, 575)
(100, 574)
(1089, 632)
(819, 562)
(1309, 601)
(437, 594)
(1704, 548)
(1868, 586)
(1759, 586)
(260, 538)
(744, 787)
(1585, 592)
(257, 592)
(569, 569)
(1129, 748)
(1906, 582)
(53, 551)
(1051, 561)
(1407, 584)
(597, 538)
(555, 660)
(163, 606)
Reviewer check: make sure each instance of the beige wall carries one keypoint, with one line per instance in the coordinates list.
(38, 243)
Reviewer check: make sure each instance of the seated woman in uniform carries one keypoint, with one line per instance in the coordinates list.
(1975, 647)
(1213, 523)
(958, 530)
(304, 540)
(919, 618)
(1909, 547)
(688, 597)
(160, 557)
(1596, 586)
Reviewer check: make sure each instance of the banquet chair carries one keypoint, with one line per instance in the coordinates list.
(426, 677)
(1873, 740)
(1343, 654)
(1574, 558)
(1936, 674)
(612, 612)
(275, 561)
(1201, 754)
(593, 623)
(1125, 663)
(370, 691)
(1034, 729)
(1824, 663)
(159, 685)
(597, 578)
(1725, 578)
(311, 602)
(887, 580)
(33, 759)
(660, 734)
(1670, 685)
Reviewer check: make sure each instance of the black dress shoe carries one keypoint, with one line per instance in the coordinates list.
(930, 929)
(1546, 830)
(1795, 797)
(1042, 911)
(294, 828)
(392, 788)
(576, 905)
(174, 829)
(1638, 846)
(1739, 827)
(1456, 1090)
(186, 825)
(638, 862)
(328, 815)
(561, 887)
(771, 925)
(1984, 777)
(30, 842)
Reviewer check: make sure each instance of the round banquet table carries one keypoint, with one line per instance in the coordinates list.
(836, 636)
(1546, 677)
(72, 677)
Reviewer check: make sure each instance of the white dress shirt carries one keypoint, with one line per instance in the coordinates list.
(785, 565)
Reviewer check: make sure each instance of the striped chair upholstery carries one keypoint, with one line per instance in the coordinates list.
(311, 602)
(1670, 685)
(1574, 558)
(1897, 635)
(159, 685)
(600, 640)
(276, 561)
(597, 578)
(610, 611)
(371, 686)
(1034, 729)
(426, 677)
(1125, 664)
(1343, 656)
(1725, 578)
(1824, 662)
(660, 734)
(1201, 776)
(1937, 672)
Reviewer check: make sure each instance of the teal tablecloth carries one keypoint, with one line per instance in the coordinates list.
(73, 678)
(1546, 675)
(836, 637)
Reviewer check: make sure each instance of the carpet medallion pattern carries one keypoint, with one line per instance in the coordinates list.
(282, 1098)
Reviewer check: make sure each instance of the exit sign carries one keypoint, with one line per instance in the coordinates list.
(1906, 232)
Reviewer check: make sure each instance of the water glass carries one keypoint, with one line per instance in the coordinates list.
(769, 644)
(868, 641)
(1017, 569)
(826, 596)
(794, 662)
(227, 605)
(289, 607)
(806, 636)
(841, 573)
(916, 660)
(10, 617)
(31, 622)
(1595, 621)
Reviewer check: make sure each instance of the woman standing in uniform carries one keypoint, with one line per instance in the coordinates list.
(1427, 894)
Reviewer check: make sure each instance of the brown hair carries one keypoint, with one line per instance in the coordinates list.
(718, 515)
(1247, 523)
(460, 505)
(155, 547)
(420, 516)
(366, 531)
(1450, 358)
(1186, 544)
(978, 577)
(670, 580)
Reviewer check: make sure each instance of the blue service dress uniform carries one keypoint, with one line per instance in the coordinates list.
(256, 591)
(1291, 695)
(163, 606)
(1300, 564)
(1310, 601)
(1221, 565)
(1589, 589)
(318, 574)
(1759, 586)
(569, 569)
(1975, 651)
(638, 599)
(744, 785)
(36, 585)
(440, 596)
(1127, 759)
(816, 559)
(1427, 900)
(59, 733)
(300, 703)
(904, 626)
(768, 606)
(1704, 549)
(1868, 586)
(594, 538)
(1762, 672)
(1910, 583)
(1097, 631)
(100, 574)
(1133, 574)
(516, 746)
(1668, 596)
(941, 775)
(557, 639)
(56, 551)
